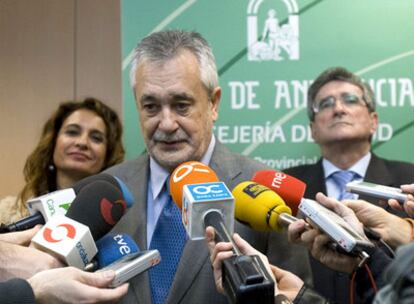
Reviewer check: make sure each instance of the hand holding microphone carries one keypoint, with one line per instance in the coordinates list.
(22, 238)
(346, 238)
(96, 209)
(287, 284)
(209, 203)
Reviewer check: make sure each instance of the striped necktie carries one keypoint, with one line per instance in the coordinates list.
(341, 178)
(169, 238)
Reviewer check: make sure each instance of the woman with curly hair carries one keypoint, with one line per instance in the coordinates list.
(80, 139)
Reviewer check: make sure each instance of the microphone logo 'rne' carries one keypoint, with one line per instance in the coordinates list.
(48, 233)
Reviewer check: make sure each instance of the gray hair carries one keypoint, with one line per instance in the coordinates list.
(339, 74)
(162, 46)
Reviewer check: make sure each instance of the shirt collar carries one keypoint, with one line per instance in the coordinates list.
(159, 175)
(360, 167)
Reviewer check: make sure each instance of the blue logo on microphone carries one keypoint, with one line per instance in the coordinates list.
(209, 191)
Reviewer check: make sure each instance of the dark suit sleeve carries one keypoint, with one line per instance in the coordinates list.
(16, 291)
(378, 261)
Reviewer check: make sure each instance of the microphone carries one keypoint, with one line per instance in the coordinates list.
(195, 189)
(288, 187)
(67, 240)
(99, 206)
(44, 207)
(111, 248)
(264, 210)
(190, 172)
(115, 181)
(259, 207)
(210, 203)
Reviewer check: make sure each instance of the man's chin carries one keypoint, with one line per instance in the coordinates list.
(170, 160)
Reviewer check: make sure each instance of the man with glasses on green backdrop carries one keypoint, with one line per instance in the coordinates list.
(343, 119)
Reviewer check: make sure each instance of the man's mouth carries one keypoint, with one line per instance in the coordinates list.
(340, 122)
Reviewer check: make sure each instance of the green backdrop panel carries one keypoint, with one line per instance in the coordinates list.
(268, 53)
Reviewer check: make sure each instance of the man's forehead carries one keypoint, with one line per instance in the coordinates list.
(342, 86)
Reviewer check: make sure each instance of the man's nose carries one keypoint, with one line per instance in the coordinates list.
(168, 120)
(339, 105)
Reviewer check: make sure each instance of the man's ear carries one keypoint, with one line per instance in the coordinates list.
(215, 102)
(374, 120)
(313, 132)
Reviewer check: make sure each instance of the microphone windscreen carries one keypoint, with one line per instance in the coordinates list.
(115, 181)
(112, 247)
(188, 173)
(128, 197)
(258, 206)
(288, 187)
(98, 205)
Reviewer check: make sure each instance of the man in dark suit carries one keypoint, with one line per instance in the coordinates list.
(175, 85)
(341, 109)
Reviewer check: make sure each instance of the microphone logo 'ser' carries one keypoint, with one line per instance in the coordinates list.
(254, 190)
(107, 208)
(65, 230)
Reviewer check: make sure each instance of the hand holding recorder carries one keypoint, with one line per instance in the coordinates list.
(408, 206)
(317, 241)
(286, 283)
(394, 230)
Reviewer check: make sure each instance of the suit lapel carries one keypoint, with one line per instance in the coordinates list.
(225, 165)
(134, 224)
(378, 173)
(315, 180)
(194, 256)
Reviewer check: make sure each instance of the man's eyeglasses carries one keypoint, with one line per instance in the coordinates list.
(347, 100)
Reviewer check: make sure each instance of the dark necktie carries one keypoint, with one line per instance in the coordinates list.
(169, 238)
(341, 178)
